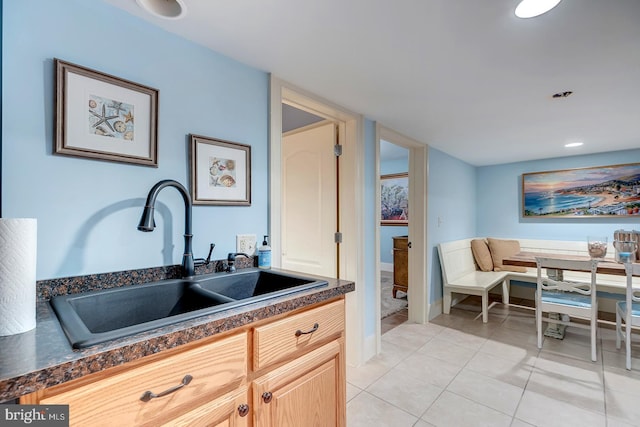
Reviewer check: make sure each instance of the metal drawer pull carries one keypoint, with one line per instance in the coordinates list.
(310, 331)
(148, 395)
(267, 396)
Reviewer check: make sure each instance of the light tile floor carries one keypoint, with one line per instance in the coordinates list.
(394, 320)
(457, 371)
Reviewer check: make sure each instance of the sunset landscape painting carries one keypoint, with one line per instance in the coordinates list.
(589, 192)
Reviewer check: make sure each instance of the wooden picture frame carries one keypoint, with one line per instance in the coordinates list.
(595, 192)
(220, 172)
(394, 199)
(99, 116)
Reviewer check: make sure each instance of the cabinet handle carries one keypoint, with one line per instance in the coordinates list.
(310, 331)
(148, 395)
(243, 410)
(409, 245)
(267, 396)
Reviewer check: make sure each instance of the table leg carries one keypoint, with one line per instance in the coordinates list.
(555, 330)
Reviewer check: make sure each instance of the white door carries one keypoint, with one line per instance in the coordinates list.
(309, 200)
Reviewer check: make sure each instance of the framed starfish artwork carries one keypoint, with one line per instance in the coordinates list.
(99, 116)
(220, 172)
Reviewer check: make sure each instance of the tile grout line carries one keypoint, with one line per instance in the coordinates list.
(491, 332)
(446, 388)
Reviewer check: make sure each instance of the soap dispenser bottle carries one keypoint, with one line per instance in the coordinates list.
(264, 254)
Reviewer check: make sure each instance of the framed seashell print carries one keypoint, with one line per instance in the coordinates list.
(220, 172)
(99, 116)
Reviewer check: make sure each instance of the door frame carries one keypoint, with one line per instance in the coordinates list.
(418, 293)
(351, 198)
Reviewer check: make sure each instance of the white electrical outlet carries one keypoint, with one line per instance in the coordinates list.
(246, 243)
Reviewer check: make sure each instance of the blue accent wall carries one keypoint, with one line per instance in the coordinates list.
(1, 97)
(499, 201)
(387, 232)
(451, 205)
(88, 210)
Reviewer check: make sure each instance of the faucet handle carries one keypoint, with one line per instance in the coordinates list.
(231, 259)
(201, 261)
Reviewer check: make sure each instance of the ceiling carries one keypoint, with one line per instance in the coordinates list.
(464, 76)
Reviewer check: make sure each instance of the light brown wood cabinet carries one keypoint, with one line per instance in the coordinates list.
(400, 264)
(288, 371)
(305, 392)
(230, 410)
(114, 396)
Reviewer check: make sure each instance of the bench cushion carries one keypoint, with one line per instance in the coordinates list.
(481, 254)
(501, 249)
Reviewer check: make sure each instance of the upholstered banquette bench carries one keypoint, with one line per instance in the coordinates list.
(466, 274)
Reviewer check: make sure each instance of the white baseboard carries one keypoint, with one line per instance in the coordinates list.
(435, 309)
(370, 347)
(386, 266)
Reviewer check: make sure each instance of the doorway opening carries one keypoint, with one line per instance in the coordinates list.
(310, 193)
(417, 284)
(350, 199)
(394, 233)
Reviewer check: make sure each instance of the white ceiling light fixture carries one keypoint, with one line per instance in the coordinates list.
(533, 8)
(573, 144)
(166, 9)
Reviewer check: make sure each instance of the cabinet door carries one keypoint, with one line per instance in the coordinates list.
(230, 410)
(309, 391)
(400, 263)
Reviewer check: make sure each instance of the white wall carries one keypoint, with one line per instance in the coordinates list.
(369, 230)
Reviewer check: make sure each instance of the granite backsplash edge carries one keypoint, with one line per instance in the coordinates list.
(48, 288)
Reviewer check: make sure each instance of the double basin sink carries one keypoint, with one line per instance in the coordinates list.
(97, 316)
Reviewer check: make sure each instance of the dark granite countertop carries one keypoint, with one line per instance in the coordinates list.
(43, 357)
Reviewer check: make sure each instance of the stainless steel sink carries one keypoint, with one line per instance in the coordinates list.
(93, 317)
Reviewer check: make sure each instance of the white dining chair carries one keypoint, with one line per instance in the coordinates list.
(628, 311)
(572, 298)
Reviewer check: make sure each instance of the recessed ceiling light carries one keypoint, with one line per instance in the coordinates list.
(573, 144)
(166, 9)
(533, 8)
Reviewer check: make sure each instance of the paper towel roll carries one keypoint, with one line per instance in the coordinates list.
(18, 245)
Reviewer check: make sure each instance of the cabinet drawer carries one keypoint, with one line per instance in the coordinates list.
(278, 340)
(224, 411)
(115, 399)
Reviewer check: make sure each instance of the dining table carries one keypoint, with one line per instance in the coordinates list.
(528, 259)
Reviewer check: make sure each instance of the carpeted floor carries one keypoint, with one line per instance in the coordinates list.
(390, 305)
